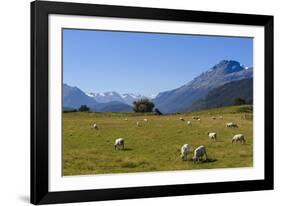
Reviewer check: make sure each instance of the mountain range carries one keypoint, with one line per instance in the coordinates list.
(227, 92)
(182, 98)
(73, 98)
(105, 97)
(217, 86)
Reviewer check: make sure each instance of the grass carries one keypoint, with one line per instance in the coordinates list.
(155, 145)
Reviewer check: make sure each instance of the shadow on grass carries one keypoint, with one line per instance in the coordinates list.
(209, 160)
(125, 149)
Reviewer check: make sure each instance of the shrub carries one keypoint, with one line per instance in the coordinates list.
(143, 105)
(239, 101)
(84, 108)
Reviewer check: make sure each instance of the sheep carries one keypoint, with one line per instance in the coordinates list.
(220, 117)
(199, 152)
(184, 151)
(238, 138)
(231, 124)
(195, 117)
(181, 118)
(119, 143)
(188, 123)
(214, 118)
(199, 120)
(145, 120)
(95, 126)
(138, 124)
(125, 119)
(212, 135)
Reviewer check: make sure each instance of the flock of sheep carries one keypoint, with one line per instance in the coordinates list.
(199, 152)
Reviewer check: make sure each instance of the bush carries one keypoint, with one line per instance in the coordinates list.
(143, 105)
(84, 108)
(239, 101)
(71, 110)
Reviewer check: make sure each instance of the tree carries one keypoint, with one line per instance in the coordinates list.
(84, 108)
(143, 105)
(157, 111)
(239, 101)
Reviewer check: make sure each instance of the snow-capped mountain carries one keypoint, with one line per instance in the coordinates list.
(105, 97)
(180, 99)
(73, 97)
(129, 98)
(176, 100)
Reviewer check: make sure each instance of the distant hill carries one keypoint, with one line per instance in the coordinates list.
(210, 86)
(225, 95)
(73, 98)
(182, 98)
(114, 107)
(105, 97)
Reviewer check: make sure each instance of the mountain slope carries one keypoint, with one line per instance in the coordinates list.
(114, 107)
(74, 97)
(106, 97)
(180, 99)
(225, 95)
(129, 98)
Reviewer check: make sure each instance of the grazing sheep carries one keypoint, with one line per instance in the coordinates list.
(199, 120)
(238, 138)
(125, 119)
(199, 152)
(95, 126)
(188, 123)
(138, 124)
(145, 120)
(119, 143)
(184, 151)
(181, 118)
(212, 135)
(231, 124)
(195, 117)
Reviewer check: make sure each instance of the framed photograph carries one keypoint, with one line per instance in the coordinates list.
(131, 102)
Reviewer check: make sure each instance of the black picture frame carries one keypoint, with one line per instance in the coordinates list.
(39, 102)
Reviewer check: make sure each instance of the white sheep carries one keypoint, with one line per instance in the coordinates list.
(212, 135)
(231, 124)
(119, 143)
(184, 151)
(181, 118)
(188, 123)
(199, 152)
(145, 120)
(238, 138)
(125, 119)
(199, 120)
(195, 117)
(138, 124)
(95, 126)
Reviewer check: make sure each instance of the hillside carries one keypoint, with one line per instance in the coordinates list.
(181, 99)
(225, 95)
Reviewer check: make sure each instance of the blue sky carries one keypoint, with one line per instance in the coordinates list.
(144, 63)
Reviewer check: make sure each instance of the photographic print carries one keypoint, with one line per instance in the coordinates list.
(151, 102)
(135, 102)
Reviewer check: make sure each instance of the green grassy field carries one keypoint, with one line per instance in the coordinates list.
(155, 145)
